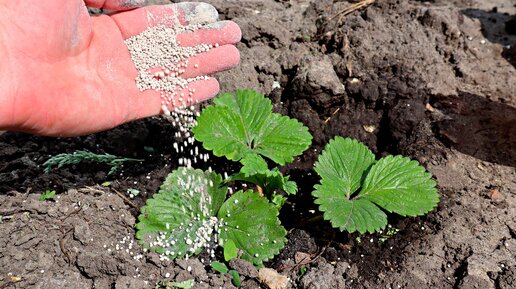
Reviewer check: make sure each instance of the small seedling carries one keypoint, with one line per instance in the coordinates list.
(389, 233)
(393, 183)
(47, 196)
(85, 156)
(301, 272)
(235, 278)
(223, 269)
(106, 184)
(219, 267)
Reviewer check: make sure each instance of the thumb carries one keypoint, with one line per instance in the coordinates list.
(115, 4)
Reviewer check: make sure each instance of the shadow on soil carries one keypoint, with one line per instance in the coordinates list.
(478, 127)
(497, 28)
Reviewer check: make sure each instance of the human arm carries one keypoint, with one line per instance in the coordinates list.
(66, 76)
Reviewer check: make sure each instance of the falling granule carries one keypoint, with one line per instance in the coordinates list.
(161, 62)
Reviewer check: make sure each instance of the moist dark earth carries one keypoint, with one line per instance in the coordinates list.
(433, 80)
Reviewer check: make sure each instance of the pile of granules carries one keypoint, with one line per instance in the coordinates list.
(161, 60)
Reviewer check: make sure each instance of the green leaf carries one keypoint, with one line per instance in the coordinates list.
(230, 250)
(255, 171)
(219, 267)
(350, 215)
(301, 272)
(278, 200)
(47, 195)
(290, 187)
(253, 164)
(395, 184)
(400, 185)
(242, 124)
(177, 219)
(251, 222)
(235, 276)
(343, 163)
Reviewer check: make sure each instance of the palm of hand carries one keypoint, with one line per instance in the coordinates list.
(72, 74)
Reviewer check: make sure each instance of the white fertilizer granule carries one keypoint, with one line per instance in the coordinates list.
(160, 61)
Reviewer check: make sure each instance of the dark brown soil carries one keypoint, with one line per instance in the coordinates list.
(433, 80)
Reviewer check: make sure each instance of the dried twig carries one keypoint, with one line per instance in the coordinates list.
(328, 119)
(309, 259)
(76, 211)
(353, 7)
(92, 190)
(100, 190)
(129, 202)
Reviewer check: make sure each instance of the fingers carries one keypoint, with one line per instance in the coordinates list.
(195, 92)
(115, 4)
(218, 34)
(217, 59)
(222, 32)
(213, 61)
(150, 102)
(221, 35)
(136, 21)
(222, 57)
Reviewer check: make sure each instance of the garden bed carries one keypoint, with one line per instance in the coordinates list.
(435, 81)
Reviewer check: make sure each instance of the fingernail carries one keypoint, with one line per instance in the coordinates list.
(198, 12)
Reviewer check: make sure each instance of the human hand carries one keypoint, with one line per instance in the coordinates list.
(64, 73)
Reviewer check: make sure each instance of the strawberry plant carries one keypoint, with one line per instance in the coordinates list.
(190, 213)
(242, 127)
(192, 210)
(243, 124)
(355, 187)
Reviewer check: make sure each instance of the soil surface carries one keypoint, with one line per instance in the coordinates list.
(433, 80)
